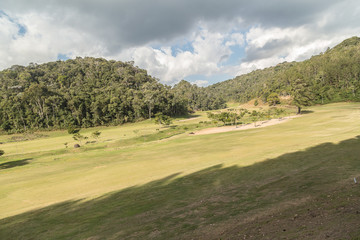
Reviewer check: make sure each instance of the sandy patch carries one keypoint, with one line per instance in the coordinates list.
(258, 124)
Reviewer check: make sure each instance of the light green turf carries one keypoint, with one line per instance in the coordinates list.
(118, 196)
(55, 176)
(54, 140)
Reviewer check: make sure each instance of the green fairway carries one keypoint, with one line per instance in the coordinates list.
(136, 183)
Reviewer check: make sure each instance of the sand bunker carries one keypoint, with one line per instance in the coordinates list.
(258, 124)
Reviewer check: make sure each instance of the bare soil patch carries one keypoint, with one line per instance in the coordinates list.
(258, 124)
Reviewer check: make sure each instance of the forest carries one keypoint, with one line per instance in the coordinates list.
(332, 76)
(87, 92)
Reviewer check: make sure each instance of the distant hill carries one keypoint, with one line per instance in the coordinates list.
(86, 92)
(331, 77)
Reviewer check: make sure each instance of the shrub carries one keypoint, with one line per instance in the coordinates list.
(97, 134)
(72, 130)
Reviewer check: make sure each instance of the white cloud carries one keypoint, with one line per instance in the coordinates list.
(236, 39)
(43, 40)
(209, 50)
(201, 83)
(127, 30)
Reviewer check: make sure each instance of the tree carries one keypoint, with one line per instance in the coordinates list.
(161, 119)
(72, 130)
(96, 135)
(224, 117)
(301, 94)
(6, 126)
(273, 99)
(2, 152)
(254, 116)
(79, 137)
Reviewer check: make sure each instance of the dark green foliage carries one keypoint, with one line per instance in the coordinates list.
(331, 76)
(96, 134)
(79, 137)
(6, 126)
(231, 116)
(162, 119)
(301, 94)
(2, 152)
(72, 130)
(273, 99)
(197, 98)
(87, 92)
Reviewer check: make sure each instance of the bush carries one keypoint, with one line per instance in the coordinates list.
(72, 130)
(273, 99)
(2, 152)
(97, 134)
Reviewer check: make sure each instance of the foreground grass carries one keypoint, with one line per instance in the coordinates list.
(208, 186)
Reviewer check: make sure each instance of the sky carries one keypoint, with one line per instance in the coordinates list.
(201, 41)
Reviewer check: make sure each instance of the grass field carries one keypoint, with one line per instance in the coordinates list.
(293, 180)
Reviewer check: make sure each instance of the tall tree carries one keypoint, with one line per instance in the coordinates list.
(301, 93)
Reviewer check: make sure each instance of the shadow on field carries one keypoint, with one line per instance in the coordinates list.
(16, 163)
(308, 194)
(306, 111)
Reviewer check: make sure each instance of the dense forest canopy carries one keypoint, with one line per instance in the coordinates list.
(87, 92)
(330, 77)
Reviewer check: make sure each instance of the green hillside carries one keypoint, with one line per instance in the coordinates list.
(87, 92)
(332, 76)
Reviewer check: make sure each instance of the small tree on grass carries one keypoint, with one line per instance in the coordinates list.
(273, 99)
(254, 116)
(234, 117)
(301, 94)
(279, 111)
(79, 137)
(96, 135)
(2, 152)
(224, 117)
(242, 113)
(162, 119)
(72, 130)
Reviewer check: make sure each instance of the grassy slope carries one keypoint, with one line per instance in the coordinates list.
(227, 185)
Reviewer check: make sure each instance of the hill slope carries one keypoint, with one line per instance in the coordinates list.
(331, 77)
(87, 92)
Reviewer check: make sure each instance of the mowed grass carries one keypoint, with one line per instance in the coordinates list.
(225, 185)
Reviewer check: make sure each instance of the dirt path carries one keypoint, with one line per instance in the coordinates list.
(258, 124)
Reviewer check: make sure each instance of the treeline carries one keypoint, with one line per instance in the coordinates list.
(86, 92)
(330, 77)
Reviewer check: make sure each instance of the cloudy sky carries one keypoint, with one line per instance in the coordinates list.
(202, 41)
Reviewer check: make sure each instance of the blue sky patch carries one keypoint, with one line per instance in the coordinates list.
(186, 47)
(22, 28)
(238, 53)
(62, 57)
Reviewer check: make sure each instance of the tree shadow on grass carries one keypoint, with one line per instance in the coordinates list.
(306, 111)
(16, 163)
(217, 202)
